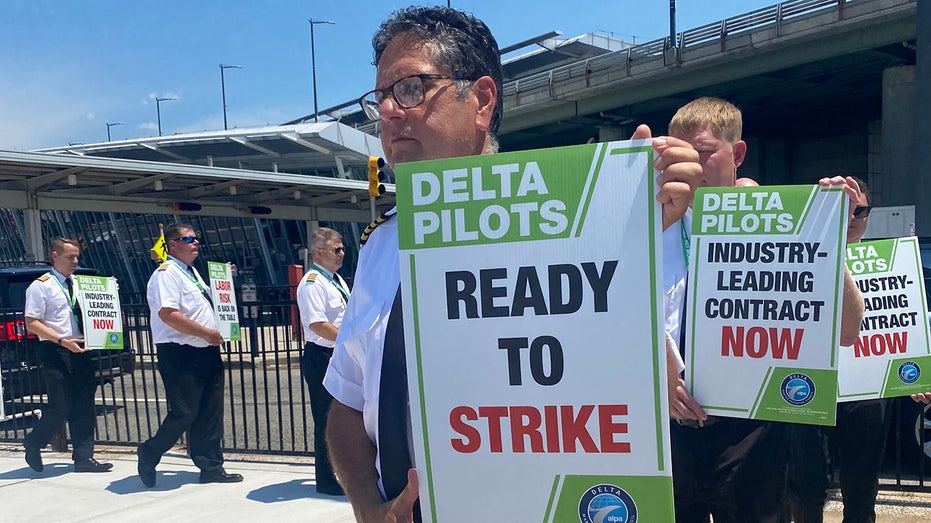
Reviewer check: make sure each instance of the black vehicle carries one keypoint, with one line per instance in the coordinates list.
(19, 362)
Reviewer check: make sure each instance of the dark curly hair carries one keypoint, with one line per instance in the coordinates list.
(462, 45)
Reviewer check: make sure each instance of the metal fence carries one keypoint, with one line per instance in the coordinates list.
(266, 408)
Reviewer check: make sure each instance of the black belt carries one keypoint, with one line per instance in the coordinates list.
(698, 424)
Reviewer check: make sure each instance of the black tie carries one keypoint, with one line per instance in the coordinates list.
(76, 307)
(393, 451)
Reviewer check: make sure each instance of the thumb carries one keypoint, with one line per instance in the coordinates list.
(642, 132)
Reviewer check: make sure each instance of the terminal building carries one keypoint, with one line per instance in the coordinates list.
(826, 87)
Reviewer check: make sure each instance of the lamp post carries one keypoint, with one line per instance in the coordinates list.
(158, 110)
(109, 125)
(313, 60)
(223, 89)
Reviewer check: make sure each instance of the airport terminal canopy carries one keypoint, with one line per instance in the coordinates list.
(313, 171)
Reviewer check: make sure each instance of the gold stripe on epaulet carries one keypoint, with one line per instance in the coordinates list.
(163, 266)
(311, 277)
(374, 225)
(44, 277)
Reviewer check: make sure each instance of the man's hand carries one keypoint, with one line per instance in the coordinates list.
(680, 173)
(75, 345)
(401, 508)
(213, 337)
(681, 404)
(922, 397)
(851, 187)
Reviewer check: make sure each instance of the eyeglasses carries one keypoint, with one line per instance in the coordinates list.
(186, 239)
(862, 211)
(408, 92)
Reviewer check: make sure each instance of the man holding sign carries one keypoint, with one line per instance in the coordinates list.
(438, 96)
(184, 329)
(52, 313)
(733, 469)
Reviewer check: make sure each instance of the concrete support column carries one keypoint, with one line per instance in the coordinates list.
(310, 226)
(896, 185)
(32, 234)
(611, 133)
(921, 179)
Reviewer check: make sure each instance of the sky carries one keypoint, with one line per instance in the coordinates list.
(67, 68)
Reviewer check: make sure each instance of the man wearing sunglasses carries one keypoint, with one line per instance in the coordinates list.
(437, 95)
(187, 341)
(321, 298)
(857, 440)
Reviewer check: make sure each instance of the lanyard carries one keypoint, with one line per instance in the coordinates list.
(686, 242)
(190, 276)
(70, 295)
(338, 285)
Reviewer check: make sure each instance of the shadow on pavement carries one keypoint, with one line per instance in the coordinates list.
(288, 491)
(51, 470)
(164, 480)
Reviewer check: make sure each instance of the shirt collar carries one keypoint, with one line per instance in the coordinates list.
(61, 277)
(181, 263)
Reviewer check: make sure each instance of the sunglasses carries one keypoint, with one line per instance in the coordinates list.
(862, 211)
(186, 239)
(339, 250)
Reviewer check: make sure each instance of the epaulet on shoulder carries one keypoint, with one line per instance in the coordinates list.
(385, 216)
(311, 277)
(44, 277)
(163, 266)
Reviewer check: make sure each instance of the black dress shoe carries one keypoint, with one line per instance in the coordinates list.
(144, 467)
(330, 490)
(219, 476)
(91, 465)
(33, 457)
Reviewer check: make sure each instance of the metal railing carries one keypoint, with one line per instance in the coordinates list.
(605, 70)
(266, 407)
(264, 390)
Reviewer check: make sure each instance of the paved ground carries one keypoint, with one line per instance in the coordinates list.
(271, 491)
(276, 489)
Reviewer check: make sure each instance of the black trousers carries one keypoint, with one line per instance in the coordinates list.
(734, 469)
(314, 363)
(858, 441)
(193, 378)
(70, 385)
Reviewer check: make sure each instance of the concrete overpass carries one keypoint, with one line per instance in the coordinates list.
(826, 86)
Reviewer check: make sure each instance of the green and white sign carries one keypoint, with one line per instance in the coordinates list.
(764, 299)
(535, 347)
(892, 356)
(99, 298)
(224, 300)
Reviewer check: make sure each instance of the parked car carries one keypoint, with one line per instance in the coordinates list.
(19, 362)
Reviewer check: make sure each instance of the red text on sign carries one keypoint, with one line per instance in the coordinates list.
(552, 429)
(757, 342)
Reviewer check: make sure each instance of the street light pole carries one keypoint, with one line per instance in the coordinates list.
(223, 89)
(313, 60)
(158, 110)
(109, 125)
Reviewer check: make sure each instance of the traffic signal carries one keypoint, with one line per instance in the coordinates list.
(376, 176)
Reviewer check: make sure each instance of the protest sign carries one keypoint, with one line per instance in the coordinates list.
(99, 299)
(765, 285)
(224, 300)
(535, 349)
(892, 356)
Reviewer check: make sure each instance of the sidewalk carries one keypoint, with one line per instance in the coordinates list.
(271, 491)
(275, 489)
